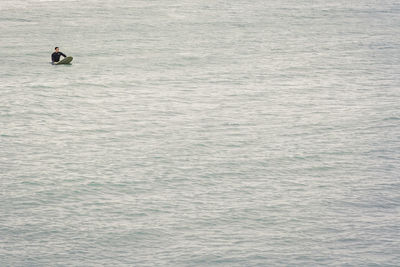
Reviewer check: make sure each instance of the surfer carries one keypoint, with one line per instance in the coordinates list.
(55, 57)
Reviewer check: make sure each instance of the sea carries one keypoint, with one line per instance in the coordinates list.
(200, 133)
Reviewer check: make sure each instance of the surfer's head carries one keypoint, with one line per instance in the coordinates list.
(56, 48)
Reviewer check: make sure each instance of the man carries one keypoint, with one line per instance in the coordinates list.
(55, 57)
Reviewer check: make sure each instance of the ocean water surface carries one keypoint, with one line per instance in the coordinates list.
(200, 133)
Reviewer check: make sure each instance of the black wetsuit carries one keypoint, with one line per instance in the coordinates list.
(55, 57)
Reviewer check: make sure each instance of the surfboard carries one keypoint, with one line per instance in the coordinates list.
(66, 60)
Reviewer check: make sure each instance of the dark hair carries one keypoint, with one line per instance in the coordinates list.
(55, 47)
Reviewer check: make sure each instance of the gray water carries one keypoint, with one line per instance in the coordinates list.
(200, 133)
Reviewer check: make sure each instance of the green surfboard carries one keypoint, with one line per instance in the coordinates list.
(66, 60)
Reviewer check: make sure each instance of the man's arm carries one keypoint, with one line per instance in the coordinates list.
(64, 55)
